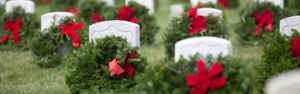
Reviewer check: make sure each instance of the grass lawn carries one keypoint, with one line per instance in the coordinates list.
(17, 75)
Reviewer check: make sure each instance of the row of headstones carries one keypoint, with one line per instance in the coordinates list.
(177, 9)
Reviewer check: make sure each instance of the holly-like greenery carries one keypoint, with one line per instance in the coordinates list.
(61, 5)
(148, 25)
(44, 45)
(292, 4)
(122, 2)
(89, 7)
(178, 30)
(247, 25)
(91, 73)
(233, 3)
(30, 24)
(169, 77)
(276, 58)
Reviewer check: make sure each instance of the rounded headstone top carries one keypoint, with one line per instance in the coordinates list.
(28, 5)
(47, 18)
(287, 24)
(207, 11)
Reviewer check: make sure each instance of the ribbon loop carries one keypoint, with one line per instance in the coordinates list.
(198, 22)
(127, 67)
(69, 30)
(126, 14)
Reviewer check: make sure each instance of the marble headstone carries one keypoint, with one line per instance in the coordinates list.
(47, 19)
(276, 2)
(289, 23)
(207, 11)
(2, 2)
(284, 83)
(176, 10)
(195, 2)
(148, 3)
(26, 4)
(128, 30)
(109, 2)
(203, 45)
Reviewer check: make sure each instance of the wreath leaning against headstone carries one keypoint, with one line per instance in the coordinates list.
(105, 66)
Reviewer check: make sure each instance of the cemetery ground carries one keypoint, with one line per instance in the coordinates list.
(17, 75)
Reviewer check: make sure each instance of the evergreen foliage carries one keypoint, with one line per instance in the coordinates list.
(292, 4)
(89, 7)
(275, 59)
(62, 5)
(44, 45)
(30, 24)
(148, 25)
(178, 30)
(233, 3)
(91, 73)
(169, 77)
(247, 25)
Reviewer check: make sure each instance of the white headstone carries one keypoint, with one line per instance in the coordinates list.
(288, 23)
(148, 3)
(109, 2)
(195, 2)
(26, 4)
(207, 11)
(176, 10)
(128, 30)
(284, 83)
(2, 2)
(47, 19)
(203, 45)
(276, 2)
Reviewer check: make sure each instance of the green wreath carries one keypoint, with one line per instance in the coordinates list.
(44, 52)
(30, 24)
(91, 73)
(62, 5)
(247, 25)
(178, 30)
(276, 58)
(169, 77)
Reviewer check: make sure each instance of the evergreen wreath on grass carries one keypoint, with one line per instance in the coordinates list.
(170, 77)
(17, 29)
(93, 72)
(279, 56)
(180, 27)
(93, 11)
(62, 5)
(248, 24)
(148, 25)
(44, 45)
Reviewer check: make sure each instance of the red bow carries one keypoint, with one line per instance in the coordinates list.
(14, 28)
(126, 14)
(97, 18)
(47, 2)
(114, 67)
(198, 22)
(70, 31)
(224, 3)
(266, 18)
(202, 81)
(72, 10)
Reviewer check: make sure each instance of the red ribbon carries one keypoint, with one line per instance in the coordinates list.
(14, 28)
(114, 67)
(47, 2)
(265, 18)
(224, 3)
(198, 22)
(69, 30)
(72, 10)
(97, 18)
(126, 14)
(202, 81)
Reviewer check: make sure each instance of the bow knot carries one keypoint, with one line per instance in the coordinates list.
(202, 81)
(265, 18)
(97, 18)
(69, 30)
(198, 22)
(115, 68)
(126, 14)
(14, 28)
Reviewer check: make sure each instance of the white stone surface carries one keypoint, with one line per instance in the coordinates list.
(2, 2)
(207, 11)
(128, 30)
(276, 2)
(47, 19)
(284, 83)
(109, 2)
(148, 3)
(26, 4)
(195, 2)
(176, 10)
(288, 23)
(203, 45)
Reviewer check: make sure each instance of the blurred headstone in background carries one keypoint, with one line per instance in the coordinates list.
(196, 2)
(109, 2)
(27, 5)
(276, 2)
(176, 10)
